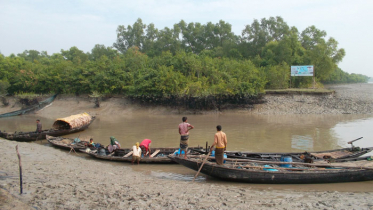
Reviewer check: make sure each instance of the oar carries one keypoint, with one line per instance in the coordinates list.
(204, 161)
(350, 142)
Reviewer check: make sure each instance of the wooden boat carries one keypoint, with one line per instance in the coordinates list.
(30, 109)
(61, 126)
(266, 172)
(67, 143)
(331, 155)
(315, 156)
(125, 155)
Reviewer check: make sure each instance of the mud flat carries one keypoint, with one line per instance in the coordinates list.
(347, 99)
(54, 179)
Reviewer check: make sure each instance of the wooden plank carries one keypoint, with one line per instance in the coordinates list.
(128, 154)
(111, 154)
(155, 153)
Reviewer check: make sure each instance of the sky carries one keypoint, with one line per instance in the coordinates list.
(56, 25)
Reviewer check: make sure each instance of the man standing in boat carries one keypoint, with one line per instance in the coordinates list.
(39, 127)
(220, 141)
(136, 153)
(184, 129)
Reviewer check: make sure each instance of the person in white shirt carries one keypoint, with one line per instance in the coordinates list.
(136, 155)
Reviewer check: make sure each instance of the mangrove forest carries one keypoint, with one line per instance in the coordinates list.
(188, 60)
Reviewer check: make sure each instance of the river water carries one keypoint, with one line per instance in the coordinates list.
(245, 132)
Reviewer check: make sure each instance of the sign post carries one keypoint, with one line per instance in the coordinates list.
(298, 71)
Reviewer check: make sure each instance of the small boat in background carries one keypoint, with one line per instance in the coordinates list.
(30, 109)
(62, 126)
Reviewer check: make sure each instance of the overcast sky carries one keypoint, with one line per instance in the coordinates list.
(52, 25)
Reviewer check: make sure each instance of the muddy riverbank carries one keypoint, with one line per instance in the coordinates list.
(54, 179)
(347, 99)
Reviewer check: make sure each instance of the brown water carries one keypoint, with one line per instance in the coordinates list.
(245, 132)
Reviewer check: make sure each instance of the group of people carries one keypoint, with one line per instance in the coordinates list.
(143, 148)
(220, 143)
(220, 140)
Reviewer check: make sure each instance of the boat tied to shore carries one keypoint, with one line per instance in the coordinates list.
(274, 172)
(62, 126)
(336, 155)
(31, 108)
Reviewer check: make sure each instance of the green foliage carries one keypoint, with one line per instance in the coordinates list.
(339, 76)
(4, 85)
(278, 76)
(29, 95)
(187, 60)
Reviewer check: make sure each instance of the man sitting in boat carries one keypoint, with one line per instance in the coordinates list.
(145, 146)
(114, 144)
(136, 155)
(93, 145)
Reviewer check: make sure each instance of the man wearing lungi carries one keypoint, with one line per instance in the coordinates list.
(220, 141)
(184, 129)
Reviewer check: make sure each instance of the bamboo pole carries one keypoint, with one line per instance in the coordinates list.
(20, 171)
(204, 161)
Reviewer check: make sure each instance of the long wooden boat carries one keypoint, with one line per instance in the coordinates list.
(125, 155)
(30, 109)
(61, 126)
(296, 157)
(265, 172)
(331, 155)
(67, 143)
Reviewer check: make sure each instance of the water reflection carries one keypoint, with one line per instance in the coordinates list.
(302, 143)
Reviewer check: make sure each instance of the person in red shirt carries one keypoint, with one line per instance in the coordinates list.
(145, 146)
(184, 129)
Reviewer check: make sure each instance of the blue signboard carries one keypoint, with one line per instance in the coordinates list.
(301, 70)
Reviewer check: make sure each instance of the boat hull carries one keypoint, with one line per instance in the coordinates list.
(32, 136)
(277, 177)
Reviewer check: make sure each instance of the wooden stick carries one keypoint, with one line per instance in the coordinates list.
(350, 142)
(128, 154)
(72, 149)
(204, 161)
(155, 153)
(288, 169)
(20, 170)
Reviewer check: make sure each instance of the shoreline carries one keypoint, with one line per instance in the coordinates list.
(54, 179)
(347, 99)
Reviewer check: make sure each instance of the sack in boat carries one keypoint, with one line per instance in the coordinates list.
(101, 151)
(76, 140)
(66, 141)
